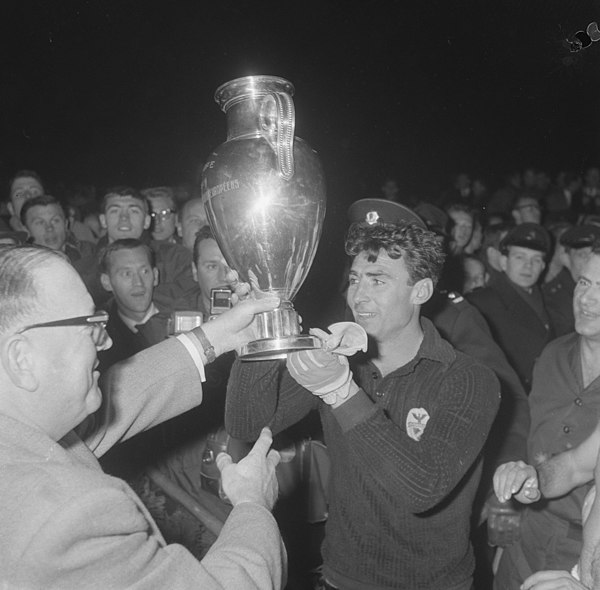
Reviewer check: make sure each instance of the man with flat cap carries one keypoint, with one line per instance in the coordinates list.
(404, 423)
(512, 301)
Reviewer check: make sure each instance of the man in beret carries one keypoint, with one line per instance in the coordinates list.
(512, 302)
(404, 423)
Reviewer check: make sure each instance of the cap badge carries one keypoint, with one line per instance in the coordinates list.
(372, 217)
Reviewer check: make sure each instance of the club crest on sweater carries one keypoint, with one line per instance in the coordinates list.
(415, 423)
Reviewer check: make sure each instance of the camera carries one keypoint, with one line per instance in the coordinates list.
(220, 301)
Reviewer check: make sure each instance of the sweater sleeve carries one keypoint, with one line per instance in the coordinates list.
(424, 471)
(262, 393)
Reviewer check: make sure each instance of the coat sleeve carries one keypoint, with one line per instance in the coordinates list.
(103, 540)
(142, 391)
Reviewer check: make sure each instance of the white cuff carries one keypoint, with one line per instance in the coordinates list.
(194, 353)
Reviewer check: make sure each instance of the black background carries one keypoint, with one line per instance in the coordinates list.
(106, 92)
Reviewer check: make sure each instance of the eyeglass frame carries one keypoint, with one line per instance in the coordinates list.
(100, 318)
(162, 214)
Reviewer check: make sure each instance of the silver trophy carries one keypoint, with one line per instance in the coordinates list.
(264, 194)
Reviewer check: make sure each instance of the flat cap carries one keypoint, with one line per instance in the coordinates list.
(527, 235)
(372, 211)
(580, 236)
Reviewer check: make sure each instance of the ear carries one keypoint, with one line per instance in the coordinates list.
(421, 292)
(102, 219)
(516, 216)
(18, 362)
(503, 261)
(179, 228)
(195, 272)
(10, 208)
(147, 221)
(105, 280)
(155, 273)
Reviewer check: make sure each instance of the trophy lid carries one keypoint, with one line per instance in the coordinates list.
(250, 86)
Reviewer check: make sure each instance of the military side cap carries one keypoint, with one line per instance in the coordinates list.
(373, 211)
(527, 235)
(580, 236)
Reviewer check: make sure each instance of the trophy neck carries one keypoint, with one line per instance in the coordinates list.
(243, 119)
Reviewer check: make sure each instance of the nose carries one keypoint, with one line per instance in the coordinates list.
(137, 278)
(124, 214)
(360, 292)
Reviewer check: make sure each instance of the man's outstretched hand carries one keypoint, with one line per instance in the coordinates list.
(253, 478)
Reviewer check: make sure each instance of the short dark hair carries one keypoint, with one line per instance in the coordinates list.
(124, 191)
(204, 233)
(41, 201)
(421, 249)
(19, 296)
(25, 174)
(124, 244)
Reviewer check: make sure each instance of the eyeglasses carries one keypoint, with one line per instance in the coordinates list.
(97, 322)
(162, 215)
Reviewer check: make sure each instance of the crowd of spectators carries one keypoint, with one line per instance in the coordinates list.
(515, 256)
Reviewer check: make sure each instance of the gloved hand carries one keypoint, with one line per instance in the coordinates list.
(323, 373)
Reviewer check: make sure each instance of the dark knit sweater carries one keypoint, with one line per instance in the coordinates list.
(399, 508)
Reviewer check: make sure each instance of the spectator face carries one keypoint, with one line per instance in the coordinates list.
(65, 357)
(210, 269)
(124, 217)
(462, 229)
(163, 217)
(21, 190)
(523, 266)
(475, 275)
(586, 300)
(47, 226)
(193, 217)
(131, 279)
(380, 297)
(527, 210)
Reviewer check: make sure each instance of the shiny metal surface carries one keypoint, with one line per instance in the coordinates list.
(264, 193)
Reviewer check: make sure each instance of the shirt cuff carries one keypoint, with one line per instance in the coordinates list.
(192, 345)
(354, 411)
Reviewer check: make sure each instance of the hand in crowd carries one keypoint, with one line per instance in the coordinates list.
(517, 479)
(552, 580)
(253, 478)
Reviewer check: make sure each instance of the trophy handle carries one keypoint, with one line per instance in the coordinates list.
(278, 120)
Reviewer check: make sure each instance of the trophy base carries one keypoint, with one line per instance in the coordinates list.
(277, 348)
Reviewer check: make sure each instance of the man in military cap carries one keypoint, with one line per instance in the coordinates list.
(575, 246)
(404, 423)
(512, 302)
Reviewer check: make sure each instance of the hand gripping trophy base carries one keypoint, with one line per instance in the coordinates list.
(278, 333)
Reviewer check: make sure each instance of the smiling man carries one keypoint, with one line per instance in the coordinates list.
(404, 424)
(125, 214)
(565, 405)
(512, 301)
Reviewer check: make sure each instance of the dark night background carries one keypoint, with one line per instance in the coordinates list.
(106, 92)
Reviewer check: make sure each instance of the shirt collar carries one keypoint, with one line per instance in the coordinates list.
(131, 324)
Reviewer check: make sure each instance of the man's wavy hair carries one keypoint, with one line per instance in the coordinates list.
(20, 299)
(421, 249)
